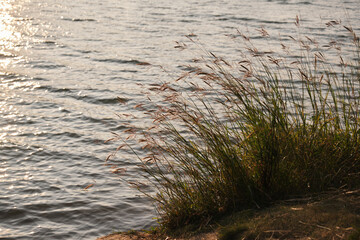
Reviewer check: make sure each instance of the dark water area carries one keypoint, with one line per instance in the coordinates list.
(63, 65)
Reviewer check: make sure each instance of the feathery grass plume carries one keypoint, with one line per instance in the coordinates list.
(268, 126)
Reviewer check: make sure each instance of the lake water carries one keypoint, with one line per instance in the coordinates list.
(62, 66)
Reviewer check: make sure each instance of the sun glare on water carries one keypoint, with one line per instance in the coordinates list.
(8, 35)
(10, 56)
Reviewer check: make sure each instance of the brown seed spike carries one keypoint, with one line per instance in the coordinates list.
(292, 38)
(130, 130)
(122, 100)
(143, 63)
(342, 61)
(263, 32)
(212, 54)
(88, 186)
(120, 147)
(109, 157)
(182, 76)
(349, 29)
(130, 137)
(109, 140)
(297, 21)
(138, 105)
(243, 36)
(332, 23)
(119, 170)
(313, 41)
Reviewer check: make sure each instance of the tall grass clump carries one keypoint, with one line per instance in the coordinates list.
(268, 126)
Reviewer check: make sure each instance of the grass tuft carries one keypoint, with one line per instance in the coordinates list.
(268, 126)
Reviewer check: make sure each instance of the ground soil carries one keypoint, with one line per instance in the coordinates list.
(148, 236)
(331, 215)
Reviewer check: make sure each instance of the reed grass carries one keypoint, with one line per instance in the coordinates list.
(266, 127)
